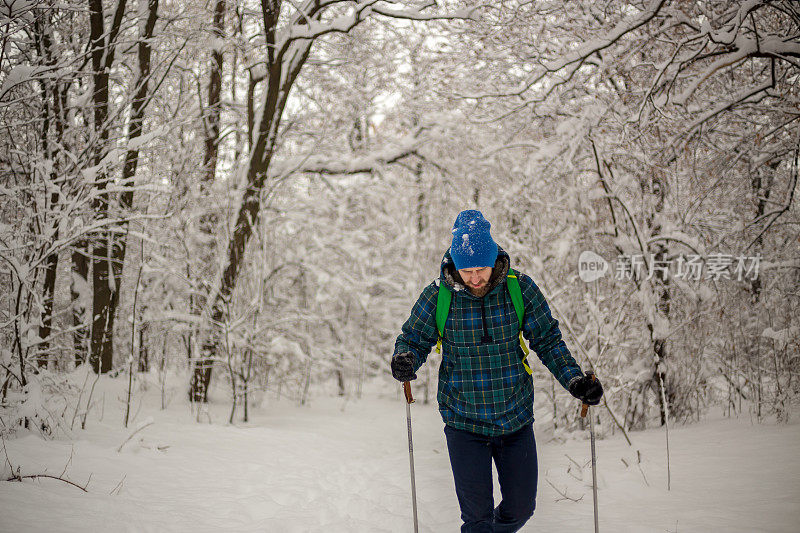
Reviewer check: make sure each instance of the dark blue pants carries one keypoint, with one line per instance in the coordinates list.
(514, 457)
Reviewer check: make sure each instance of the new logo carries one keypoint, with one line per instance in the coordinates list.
(591, 266)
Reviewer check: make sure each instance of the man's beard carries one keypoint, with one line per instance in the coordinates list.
(480, 292)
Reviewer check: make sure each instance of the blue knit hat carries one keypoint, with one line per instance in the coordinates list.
(473, 246)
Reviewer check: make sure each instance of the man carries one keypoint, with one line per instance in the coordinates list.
(485, 394)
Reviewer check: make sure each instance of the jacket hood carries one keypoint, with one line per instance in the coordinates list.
(448, 274)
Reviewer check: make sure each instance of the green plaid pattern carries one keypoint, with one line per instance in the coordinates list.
(483, 386)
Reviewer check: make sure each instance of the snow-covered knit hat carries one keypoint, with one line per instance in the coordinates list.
(473, 246)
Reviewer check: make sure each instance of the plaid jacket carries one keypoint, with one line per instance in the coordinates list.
(483, 387)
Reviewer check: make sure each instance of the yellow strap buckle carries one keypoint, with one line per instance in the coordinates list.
(526, 352)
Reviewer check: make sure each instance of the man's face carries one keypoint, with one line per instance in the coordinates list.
(476, 279)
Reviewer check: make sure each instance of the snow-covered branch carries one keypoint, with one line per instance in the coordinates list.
(601, 43)
(417, 14)
(577, 58)
(307, 25)
(743, 97)
(327, 164)
(772, 47)
(312, 28)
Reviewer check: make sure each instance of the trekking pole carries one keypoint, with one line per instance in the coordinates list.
(584, 411)
(409, 401)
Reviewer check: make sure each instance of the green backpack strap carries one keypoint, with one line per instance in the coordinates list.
(516, 296)
(519, 306)
(442, 310)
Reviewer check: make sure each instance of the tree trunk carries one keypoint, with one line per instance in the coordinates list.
(761, 184)
(762, 187)
(54, 95)
(48, 290)
(201, 375)
(340, 381)
(282, 72)
(213, 109)
(48, 294)
(144, 359)
(655, 188)
(104, 302)
(106, 291)
(118, 242)
(135, 129)
(660, 383)
(110, 247)
(79, 298)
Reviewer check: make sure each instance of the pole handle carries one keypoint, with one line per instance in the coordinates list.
(585, 407)
(407, 392)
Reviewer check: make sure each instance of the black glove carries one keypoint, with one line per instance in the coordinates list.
(403, 367)
(587, 389)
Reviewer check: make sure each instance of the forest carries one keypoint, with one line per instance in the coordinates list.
(247, 197)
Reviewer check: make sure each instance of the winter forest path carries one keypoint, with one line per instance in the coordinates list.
(337, 466)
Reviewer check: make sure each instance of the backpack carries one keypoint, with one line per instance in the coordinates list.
(443, 309)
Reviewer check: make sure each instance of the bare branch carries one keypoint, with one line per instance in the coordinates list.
(34, 476)
(137, 430)
(15, 475)
(563, 493)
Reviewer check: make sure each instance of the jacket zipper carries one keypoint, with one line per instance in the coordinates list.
(486, 339)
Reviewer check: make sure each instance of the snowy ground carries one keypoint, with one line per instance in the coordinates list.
(338, 466)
